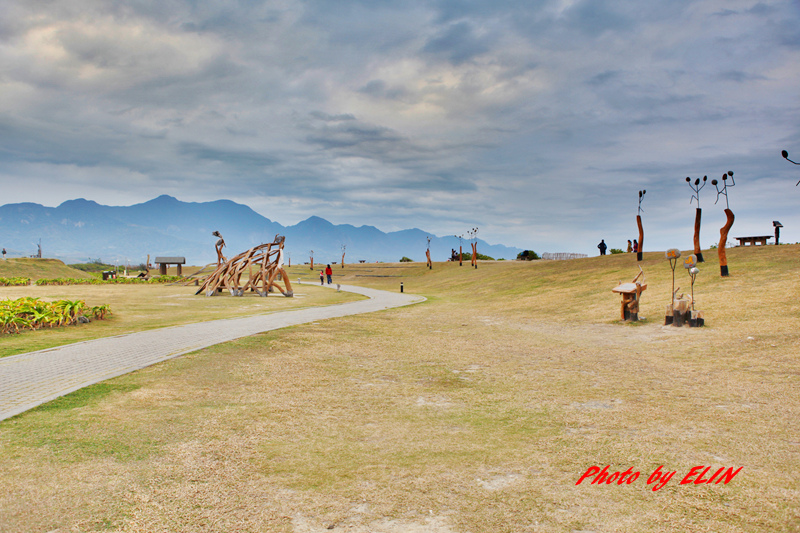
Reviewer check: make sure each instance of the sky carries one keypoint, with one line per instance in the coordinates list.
(536, 121)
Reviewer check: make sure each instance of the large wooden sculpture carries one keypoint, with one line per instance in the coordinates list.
(266, 258)
(344, 246)
(641, 228)
(723, 232)
(696, 196)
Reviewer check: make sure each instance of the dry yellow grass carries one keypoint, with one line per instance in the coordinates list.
(476, 411)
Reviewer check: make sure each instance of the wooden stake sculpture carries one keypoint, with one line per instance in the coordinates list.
(428, 254)
(696, 196)
(460, 253)
(473, 237)
(218, 247)
(311, 253)
(631, 294)
(343, 247)
(723, 232)
(785, 155)
(673, 254)
(267, 258)
(682, 310)
(641, 229)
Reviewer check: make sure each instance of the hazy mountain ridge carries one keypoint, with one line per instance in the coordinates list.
(79, 230)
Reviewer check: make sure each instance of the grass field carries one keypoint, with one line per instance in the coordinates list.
(141, 307)
(476, 411)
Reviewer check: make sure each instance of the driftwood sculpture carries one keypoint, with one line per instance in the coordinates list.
(428, 254)
(266, 258)
(696, 196)
(218, 247)
(682, 311)
(723, 232)
(631, 294)
(473, 237)
(343, 248)
(641, 228)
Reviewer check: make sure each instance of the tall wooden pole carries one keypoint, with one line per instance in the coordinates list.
(641, 237)
(697, 251)
(723, 239)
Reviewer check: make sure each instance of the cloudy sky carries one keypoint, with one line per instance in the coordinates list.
(537, 121)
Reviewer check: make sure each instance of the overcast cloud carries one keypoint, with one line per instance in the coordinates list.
(538, 122)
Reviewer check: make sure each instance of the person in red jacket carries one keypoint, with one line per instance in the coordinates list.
(329, 273)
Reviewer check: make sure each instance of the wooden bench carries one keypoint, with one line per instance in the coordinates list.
(753, 241)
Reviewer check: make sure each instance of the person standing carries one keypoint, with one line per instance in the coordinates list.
(322, 277)
(602, 247)
(630, 247)
(4, 254)
(329, 273)
(635, 246)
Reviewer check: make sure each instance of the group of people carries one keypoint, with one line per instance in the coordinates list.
(632, 246)
(327, 272)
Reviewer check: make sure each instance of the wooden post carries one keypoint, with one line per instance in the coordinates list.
(723, 239)
(460, 256)
(697, 251)
(641, 237)
(475, 254)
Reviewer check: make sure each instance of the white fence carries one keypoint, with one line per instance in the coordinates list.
(561, 256)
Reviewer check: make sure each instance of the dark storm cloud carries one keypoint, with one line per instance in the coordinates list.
(457, 43)
(404, 109)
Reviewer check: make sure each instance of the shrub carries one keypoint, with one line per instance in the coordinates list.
(405, 260)
(615, 251)
(32, 313)
(16, 281)
(528, 255)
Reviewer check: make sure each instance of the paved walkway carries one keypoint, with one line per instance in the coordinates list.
(31, 379)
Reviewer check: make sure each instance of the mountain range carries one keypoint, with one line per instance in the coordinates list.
(82, 230)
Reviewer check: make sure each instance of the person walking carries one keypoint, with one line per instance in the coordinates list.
(322, 277)
(329, 273)
(602, 247)
(4, 254)
(635, 246)
(630, 247)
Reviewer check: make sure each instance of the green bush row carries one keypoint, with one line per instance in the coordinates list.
(96, 281)
(33, 313)
(11, 282)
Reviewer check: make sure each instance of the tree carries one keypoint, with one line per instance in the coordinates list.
(528, 255)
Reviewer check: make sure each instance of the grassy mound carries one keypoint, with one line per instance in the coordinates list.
(35, 268)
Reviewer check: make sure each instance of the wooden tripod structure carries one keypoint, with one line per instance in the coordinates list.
(267, 258)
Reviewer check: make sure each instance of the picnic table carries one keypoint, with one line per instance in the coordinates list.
(753, 241)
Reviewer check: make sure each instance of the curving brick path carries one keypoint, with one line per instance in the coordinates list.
(34, 378)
